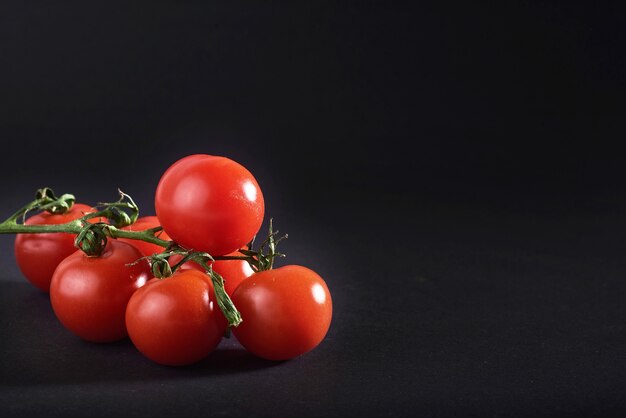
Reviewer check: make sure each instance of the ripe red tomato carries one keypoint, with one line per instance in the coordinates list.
(286, 312)
(141, 224)
(38, 255)
(232, 271)
(89, 294)
(209, 203)
(176, 320)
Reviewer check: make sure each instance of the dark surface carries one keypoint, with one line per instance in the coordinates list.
(484, 315)
(449, 169)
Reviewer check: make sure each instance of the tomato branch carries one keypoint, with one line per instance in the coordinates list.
(115, 213)
(92, 233)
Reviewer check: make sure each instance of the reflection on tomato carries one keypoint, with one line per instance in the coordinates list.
(89, 294)
(209, 203)
(176, 320)
(286, 312)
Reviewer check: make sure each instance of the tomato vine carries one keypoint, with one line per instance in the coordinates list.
(110, 218)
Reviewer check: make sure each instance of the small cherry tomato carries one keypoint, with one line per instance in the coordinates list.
(37, 255)
(89, 294)
(232, 271)
(286, 312)
(176, 320)
(141, 224)
(209, 203)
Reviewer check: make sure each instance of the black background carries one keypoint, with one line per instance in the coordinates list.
(450, 169)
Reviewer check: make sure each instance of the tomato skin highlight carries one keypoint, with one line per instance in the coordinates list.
(176, 321)
(141, 224)
(89, 294)
(209, 203)
(286, 312)
(38, 255)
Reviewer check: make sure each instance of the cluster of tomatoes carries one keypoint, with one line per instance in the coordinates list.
(203, 203)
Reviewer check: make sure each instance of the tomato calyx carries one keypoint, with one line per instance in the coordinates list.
(115, 212)
(53, 204)
(263, 258)
(45, 200)
(161, 269)
(92, 239)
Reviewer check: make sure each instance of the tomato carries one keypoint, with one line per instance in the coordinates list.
(232, 271)
(89, 294)
(176, 320)
(286, 312)
(141, 224)
(209, 203)
(38, 255)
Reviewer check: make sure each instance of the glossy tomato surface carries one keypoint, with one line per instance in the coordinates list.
(286, 312)
(89, 294)
(37, 255)
(209, 203)
(176, 320)
(143, 223)
(232, 271)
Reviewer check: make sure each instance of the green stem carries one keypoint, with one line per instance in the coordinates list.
(223, 300)
(32, 205)
(146, 236)
(74, 227)
(10, 227)
(116, 216)
(226, 305)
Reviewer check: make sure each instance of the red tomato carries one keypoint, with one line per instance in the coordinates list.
(232, 271)
(89, 294)
(176, 320)
(143, 223)
(209, 203)
(286, 312)
(173, 260)
(38, 255)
